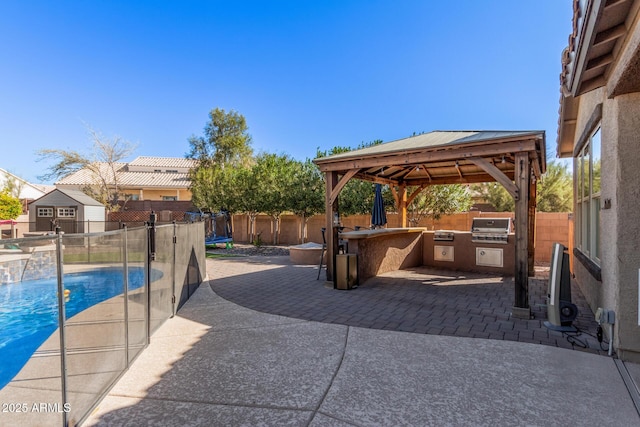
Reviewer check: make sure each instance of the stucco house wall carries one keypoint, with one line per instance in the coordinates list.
(608, 96)
(619, 225)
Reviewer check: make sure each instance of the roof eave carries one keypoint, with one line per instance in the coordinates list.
(566, 127)
(586, 35)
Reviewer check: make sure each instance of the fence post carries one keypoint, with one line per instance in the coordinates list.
(152, 236)
(173, 272)
(61, 323)
(125, 281)
(151, 256)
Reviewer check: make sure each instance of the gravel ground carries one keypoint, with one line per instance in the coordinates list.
(250, 250)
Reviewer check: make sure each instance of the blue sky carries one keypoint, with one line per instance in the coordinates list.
(305, 74)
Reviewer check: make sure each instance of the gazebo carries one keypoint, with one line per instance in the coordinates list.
(515, 159)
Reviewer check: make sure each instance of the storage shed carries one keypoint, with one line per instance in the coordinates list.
(72, 210)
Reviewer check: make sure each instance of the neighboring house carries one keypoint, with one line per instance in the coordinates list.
(72, 210)
(26, 189)
(599, 126)
(27, 192)
(145, 178)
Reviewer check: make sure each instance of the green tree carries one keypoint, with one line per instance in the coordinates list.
(214, 188)
(438, 200)
(250, 200)
(275, 174)
(357, 196)
(10, 206)
(224, 155)
(307, 193)
(226, 140)
(554, 191)
(102, 164)
(496, 195)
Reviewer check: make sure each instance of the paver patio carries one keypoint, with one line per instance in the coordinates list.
(420, 300)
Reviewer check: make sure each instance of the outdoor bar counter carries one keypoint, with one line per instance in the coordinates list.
(388, 249)
(385, 249)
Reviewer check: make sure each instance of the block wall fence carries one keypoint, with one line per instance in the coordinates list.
(551, 227)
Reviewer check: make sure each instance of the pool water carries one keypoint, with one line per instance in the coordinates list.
(29, 310)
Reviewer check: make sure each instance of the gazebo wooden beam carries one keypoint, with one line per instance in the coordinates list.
(459, 171)
(468, 179)
(415, 193)
(421, 157)
(376, 179)
(394, 193)
(497, 174)
(426, 171)
(341, 183)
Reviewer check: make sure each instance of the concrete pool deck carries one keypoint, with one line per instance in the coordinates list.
(218, 363)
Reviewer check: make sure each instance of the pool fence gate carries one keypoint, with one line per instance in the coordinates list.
(71, 370)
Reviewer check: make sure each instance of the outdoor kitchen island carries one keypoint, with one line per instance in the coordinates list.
(489, 247)
(384, 249)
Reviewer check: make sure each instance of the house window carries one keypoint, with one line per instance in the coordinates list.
(169, 198)
(45, 212)
(132, 197)
(587, 166)
(66, 212)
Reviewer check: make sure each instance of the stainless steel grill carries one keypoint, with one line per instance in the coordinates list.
(443, 236)
(490, 230)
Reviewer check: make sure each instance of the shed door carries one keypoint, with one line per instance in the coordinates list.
(45, 218)
(67, 218)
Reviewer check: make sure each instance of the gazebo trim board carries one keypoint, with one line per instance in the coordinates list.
(515, 159)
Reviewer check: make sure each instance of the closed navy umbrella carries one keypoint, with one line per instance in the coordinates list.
(378, 215)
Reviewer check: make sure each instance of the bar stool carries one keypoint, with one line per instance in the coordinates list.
(342, 248)
(324, 247)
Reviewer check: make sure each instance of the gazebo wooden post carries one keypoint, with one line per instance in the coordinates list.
(522, 177)
(532, 227)
(402, 204)
(331, 232)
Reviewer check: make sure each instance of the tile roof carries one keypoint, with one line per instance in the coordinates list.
(599, 30)
(87, 176)
(169, 162)
(154, 179)
(136, 179)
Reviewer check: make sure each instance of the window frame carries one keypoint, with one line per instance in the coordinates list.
(588, 227)
(66, 212)
(48, 211)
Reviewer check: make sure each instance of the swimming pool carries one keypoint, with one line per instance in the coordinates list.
(29, 310)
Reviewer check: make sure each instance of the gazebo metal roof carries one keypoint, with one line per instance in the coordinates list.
(441, 157)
